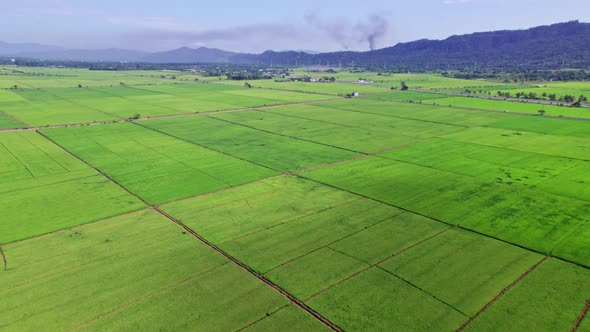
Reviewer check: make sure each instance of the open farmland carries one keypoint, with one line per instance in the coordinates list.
(174, 204)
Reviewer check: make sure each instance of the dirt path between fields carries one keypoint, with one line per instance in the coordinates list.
(4, 263)
(502, 293)
(581, 317)
(290, 297)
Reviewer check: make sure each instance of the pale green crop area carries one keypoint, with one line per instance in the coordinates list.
(126, 273)
(44, 189)
(157, 167)
(171, 201)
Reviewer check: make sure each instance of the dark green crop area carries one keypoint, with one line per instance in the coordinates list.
(172, 201)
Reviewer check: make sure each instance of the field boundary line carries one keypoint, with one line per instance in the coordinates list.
(501, 294)
(422, 290)
(287, 262)
(401, 117)
(18, 159)
(356, 274)
(453, 225)
(15, 119)
(156, 117)
(76, 226)
(78, 104)
(262, 318)
(209, 148)
(94, 168)
(311, 214)
(581, 317)
(145, 297)
(4, 263)
(151, 207)
(288, 136)
(290, 297)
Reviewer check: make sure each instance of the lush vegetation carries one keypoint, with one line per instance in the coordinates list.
(158, 200)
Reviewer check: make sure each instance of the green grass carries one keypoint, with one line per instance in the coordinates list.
(154, 166)
(549, 299)
(277, 152)
(44, 189)
(66, 280)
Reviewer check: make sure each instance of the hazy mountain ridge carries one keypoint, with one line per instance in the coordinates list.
(557, 45)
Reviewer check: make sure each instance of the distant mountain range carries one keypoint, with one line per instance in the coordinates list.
(562, 45)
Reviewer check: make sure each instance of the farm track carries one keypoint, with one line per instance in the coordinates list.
(581, 317)
(83, 124)
(142, 298)
(4, 263)
(502, 293)
(290, 297)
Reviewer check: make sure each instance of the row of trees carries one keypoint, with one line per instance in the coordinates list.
(569, 99)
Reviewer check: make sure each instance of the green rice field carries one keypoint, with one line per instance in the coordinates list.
(160, 201)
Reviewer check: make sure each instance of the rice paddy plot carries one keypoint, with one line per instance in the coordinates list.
(342, 136)
(130, 272)
(376, 300)
(550, 298)
(314, 87)
(44, 189)
(281, 153)
(240, 211)
(553, 145)
(461, 268)
(505, 166)
(510, 106)
(283, 96)
(405, 96)
(520, 216)
(7, 122)
(155, 166)
(310, 274)
(415, 111)
(543, 125)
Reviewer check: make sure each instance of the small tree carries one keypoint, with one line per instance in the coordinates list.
(541, 112)
(404, 86)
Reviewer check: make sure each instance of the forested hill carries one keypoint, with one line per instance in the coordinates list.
(562, 45)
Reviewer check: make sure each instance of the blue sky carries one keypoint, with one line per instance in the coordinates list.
(254, 26)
